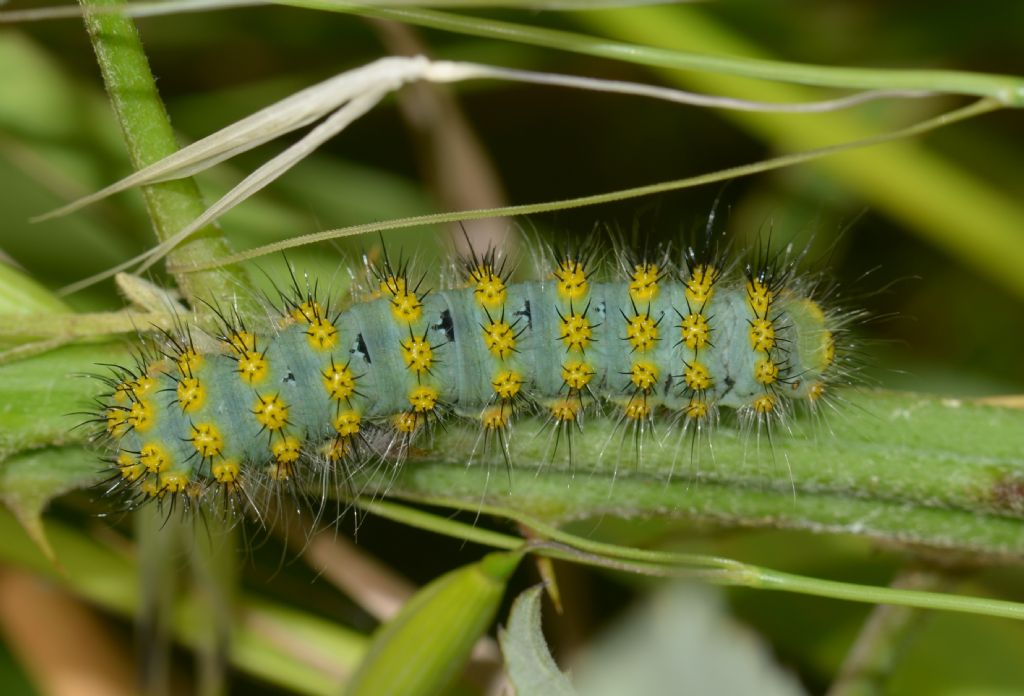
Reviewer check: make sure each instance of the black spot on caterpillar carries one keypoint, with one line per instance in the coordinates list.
(310, 397)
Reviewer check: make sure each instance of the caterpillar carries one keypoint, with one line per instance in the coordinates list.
(313, 395)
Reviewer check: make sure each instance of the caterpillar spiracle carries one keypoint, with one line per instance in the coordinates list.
(310, 396)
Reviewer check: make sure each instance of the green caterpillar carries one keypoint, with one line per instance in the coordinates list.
(308, 396)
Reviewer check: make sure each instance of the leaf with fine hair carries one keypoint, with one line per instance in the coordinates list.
(529, 664)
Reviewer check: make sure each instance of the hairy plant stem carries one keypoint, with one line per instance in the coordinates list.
(149, 136)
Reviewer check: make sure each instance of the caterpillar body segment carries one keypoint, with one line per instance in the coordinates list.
(318, 393)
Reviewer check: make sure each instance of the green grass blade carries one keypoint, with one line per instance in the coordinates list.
(422, 649)
(1007, 89)
(950, 207)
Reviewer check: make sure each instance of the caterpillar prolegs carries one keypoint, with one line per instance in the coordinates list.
(309, 396)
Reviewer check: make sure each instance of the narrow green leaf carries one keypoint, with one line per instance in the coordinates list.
(1008, 89)
(423, 648)
(528, 661)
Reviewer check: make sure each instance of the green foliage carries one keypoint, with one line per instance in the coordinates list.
(933, 478)
(531, 669)
(422, 649)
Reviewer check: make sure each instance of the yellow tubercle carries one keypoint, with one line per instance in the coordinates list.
(406, 307)
(241, 342)
(765, 403)
(154, 458)
(173, 482)
(281, 471)
(423, 399)
(762, 335)
(643, 285)
(564, 410)
(641, 332)
(418, 354)
(816, 391)
(252, 367)
(571, 280)
(336, 448)
(339, 382)
(766, 371)
(697, 409)
(507, 384)
(576, 332)
(133, 390)
(321, 334)
(271, 412)
(141, 416)
(643, 375)
(226, 471)
(191, 395)
(759, 297)
(637, 408)
(286, 450)
(392, 285)
(499, 339)
(695, 331)
(577, 374)
(700, 286)
(308, 312)
(117, 421)
(142, 386)
(495, 417)
(123, 392)
(406, 422)
(189, 361)
(490, 291)
(347, 423)
(207, 440)
(131, 468)
(697, 377)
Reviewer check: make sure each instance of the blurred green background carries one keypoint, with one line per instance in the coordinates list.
(943, 321)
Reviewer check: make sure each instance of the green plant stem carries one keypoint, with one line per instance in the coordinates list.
(149, 137)
(80, 325)
(1006, 89)
(970, 111)
(884, 637)
(906, 469)
(901, 468)
(720, 571)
